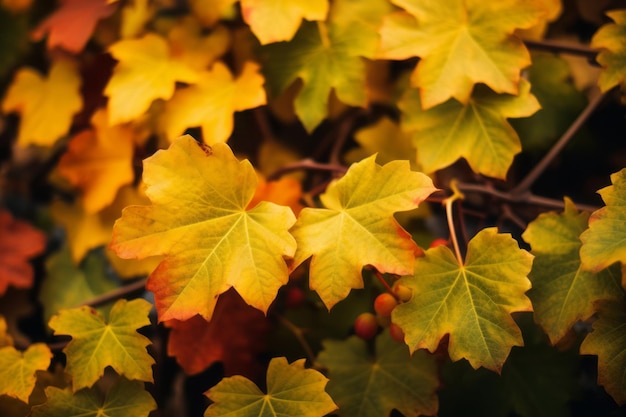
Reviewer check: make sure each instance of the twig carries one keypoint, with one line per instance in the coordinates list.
(299, 335)
(115, 294)
(559, 47)
(306, 164)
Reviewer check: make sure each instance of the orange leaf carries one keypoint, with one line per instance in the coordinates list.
(72, 24)
(232, 336)
(286, 191)
(19, 241)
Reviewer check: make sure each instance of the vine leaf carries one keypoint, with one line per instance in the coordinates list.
(477, 131)
(123, 399)
(460, 44)
(212, 102)
(292, 390)
(604, 242)
(97, 343)
(233, 336)
(19, 242)
(608, 342)
(72, 24)
(359, 210)
(98, 162)
(612, 57)
(145, 72)
(275, 21)
(18, 369)
(472, 302)
(327, 56)
(44, 118)
(562, 292)
(198, 220)
(401, 381)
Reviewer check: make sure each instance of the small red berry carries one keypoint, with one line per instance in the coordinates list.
(295, 297)
(365, 326)
(403, 292)
(438, 242)
(396, 333)
(384, 304)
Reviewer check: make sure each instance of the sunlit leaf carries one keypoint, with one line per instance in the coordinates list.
(17, 369)
(612, 57)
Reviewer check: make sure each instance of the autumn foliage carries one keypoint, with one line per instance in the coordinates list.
(221, 207)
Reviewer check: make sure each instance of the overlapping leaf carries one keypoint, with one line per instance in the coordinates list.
(198, 220)
(477, 131)
(563, 292)
(209, 12)
(608, 342)
(367, 386)
(97, 343)
(327, 56)
(357, 227)
(190, 44)
(212, 102)
(460, 43)
(44, 117)
(292, 390)
(610, 38)
(472, 302)
(604, 243)
(277, 20)
(17, 369)
(123, 399)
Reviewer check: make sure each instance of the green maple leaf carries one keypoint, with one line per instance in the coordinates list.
(292, 390)
(17, 369)
(610, 38)
(368, 386)
(563, 292)
(608, 342)
(460, 43)
(123, 399)
(97, 343)
(199, 220)
(325, 56)
(359, 211)
(472, 301)
(604, 243)
(477, 131)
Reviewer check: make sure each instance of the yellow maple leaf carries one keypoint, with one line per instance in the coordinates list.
(211, 102)
(190, 44)
(44, 116)
(98, 162)
(145, 72)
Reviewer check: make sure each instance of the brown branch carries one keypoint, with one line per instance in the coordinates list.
(307, 164)
(564, 48)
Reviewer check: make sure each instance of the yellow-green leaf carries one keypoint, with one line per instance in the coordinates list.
(199, 220)
(563, 292)
(472, 301)
(367, 386)
(97, 343)
(359, 211)
(608, 342)
(604, 243)
(17, 369)
(292, 390)
(123, 399)
(612, 57)
(460, 43)
(477, 131)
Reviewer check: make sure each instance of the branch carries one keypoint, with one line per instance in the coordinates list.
(305, 164)
(115, 294)
(559, 47)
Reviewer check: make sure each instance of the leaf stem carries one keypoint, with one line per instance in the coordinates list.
(115, 294)
(456, 195)
(383, 281)
(299, 335)
(323, 30)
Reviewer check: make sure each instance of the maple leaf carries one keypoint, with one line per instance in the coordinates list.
(99, 162)
(277, 20)
(123, 399)
(19, 241)
(198, 220)
(608, 342)
(612, 57)
(562, 292)
(135, 15)
(460, 43)
(17, 375)
(189, 43)
(212, 102)
(44, 118)
(401, 381)
(292, 390)
(72, 24)
(232, 336)
(472, 301)
(327, 56)
(97, 343)
(604, 240)
(477, 131)
(145, 72)
(285, 191)
(359, 210)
